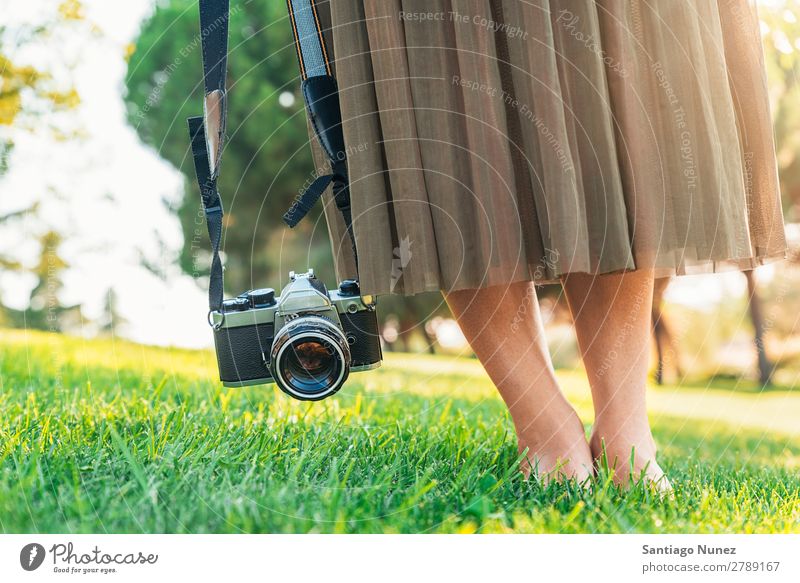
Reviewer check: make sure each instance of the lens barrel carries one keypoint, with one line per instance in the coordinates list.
(310, 358)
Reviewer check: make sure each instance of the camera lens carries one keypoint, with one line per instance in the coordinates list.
(310, 358)
(311, 361)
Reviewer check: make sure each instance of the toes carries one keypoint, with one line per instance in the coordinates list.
(559, 470)
(629, 462)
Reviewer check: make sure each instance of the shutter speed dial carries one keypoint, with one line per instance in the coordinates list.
(260, 298)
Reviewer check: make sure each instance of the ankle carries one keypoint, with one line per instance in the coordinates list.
(622, 439)
(555, 446)
(552, 419)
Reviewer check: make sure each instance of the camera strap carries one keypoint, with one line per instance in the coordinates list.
(207, 133)
(212, 205)
(321, 95)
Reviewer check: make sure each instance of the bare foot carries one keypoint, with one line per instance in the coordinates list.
(629, 449)
(556, 444)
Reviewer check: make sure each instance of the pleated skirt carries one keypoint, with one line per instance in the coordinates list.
(494, 141)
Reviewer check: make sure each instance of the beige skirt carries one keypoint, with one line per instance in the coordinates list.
(492, 141)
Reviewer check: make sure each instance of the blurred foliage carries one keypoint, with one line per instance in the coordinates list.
(13, 80)
(24, 81)
(781, 34)
(29, 95)
(266, 159)
(9, 264)
(45, 311)
(781, 296)
(110, 321)
(25, 89)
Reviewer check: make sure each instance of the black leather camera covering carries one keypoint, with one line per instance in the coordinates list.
(362, 333)
(241, 350)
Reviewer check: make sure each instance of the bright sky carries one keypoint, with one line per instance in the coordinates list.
(106, 193)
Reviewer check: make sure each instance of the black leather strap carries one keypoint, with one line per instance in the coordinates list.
(207, 149)
(307, 200)
(214, 16)
(212, 204)
(321, 95)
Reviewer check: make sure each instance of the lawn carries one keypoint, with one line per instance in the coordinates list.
(104, 436)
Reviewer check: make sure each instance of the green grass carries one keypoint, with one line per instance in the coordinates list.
(101, 436)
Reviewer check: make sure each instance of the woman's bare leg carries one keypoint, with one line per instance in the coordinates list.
(612, 322)
(504, 328)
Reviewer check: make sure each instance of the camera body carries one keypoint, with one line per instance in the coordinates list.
(307, 340)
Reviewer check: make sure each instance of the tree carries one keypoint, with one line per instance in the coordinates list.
(267, 158)
(765, 367)
(27, 91)
(46, 312)
(8, 316)
(667, 347)
(111, 321)
(781, 27)
(29, 95)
